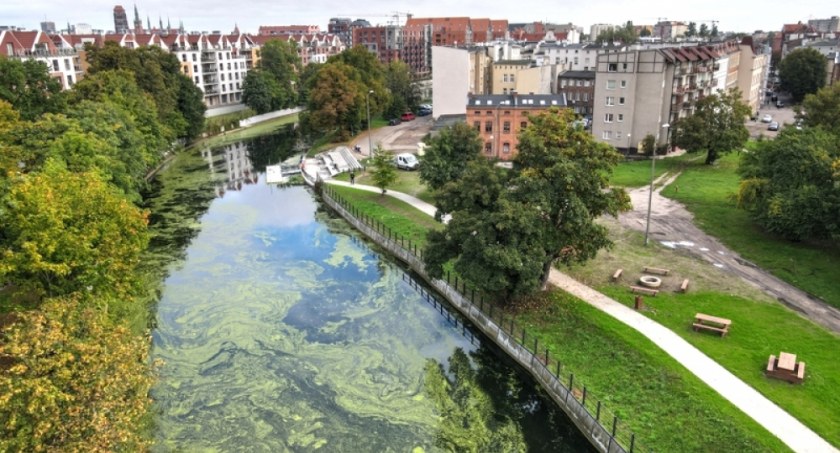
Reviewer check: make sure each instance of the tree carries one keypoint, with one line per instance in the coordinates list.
(791, 186)
(383, 171)
(822, 109)
(69, 232)
(280, 60)
(336, 101)
(716, 127)
(649, 144)
(191, 105)
(802, 72)
(29, 88)
(704, 30)
(404, 95)
(72, 380)
(645, 31)
(448, 153)
(714, 31)
(261, 92)
(509, 227)
(691, 30)
(306, 76)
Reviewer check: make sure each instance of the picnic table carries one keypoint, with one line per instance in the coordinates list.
(785, 367)
(711, 323)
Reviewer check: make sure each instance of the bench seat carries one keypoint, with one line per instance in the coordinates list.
(643, 290)
(722, 330)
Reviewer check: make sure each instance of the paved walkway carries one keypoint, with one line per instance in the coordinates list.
(773, 418)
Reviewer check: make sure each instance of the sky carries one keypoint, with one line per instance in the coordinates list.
(209, 15)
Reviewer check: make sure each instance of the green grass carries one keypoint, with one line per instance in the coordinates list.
(407, 182)
(636, 173)
(758, 330)
(708, 191)
(653, 396)
(249, 132)
(402, 218)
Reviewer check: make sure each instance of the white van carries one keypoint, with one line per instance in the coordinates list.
(406, 161)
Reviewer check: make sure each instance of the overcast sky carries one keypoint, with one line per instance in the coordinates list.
(208, 15)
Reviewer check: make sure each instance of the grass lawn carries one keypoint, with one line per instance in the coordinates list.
(248, 132)
(407, 182)
(708, 191)
(397, 215)
(667, 407)
(636, 173)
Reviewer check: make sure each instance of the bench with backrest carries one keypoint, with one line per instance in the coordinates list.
(617, 274)
(656, 270)
(643, 290)
(711, 323)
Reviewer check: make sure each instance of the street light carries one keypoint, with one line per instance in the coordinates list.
(652, 175)
(370, 142)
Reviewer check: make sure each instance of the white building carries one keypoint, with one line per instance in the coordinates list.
(61, 60)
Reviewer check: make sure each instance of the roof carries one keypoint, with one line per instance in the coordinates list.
(513, 62)
(517, 100)
(577, 75)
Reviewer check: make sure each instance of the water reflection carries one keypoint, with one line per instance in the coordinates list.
(281, 330)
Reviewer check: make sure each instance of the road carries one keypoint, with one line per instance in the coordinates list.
(672, 225)
(403, 137)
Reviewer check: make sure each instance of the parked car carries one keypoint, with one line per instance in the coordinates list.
(407, 116)
(423, 111)
(774, 126)
(406, 161)
(394, 121)
(767, 118)
(780, 104)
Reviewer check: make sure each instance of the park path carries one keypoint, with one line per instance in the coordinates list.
(788, 429)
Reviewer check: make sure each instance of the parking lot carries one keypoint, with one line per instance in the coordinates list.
(783, 116)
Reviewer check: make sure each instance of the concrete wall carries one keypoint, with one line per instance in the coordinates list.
(268, 116)
(450, 81)
(597, 434)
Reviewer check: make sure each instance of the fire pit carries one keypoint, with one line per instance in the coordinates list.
(650, 281)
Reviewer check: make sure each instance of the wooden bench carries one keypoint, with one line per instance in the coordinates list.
(617, 274)
(711, 323)
(785, 368)
(656, 270)
(684, 286)
(643, 290)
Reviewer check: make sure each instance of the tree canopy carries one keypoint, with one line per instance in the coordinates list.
(271, 86)
(802, 72)
(383, 172)
(822, 109)
(336, 101)
(625, 34)
(404, 96)
(509, 227)
(716, 127)
(791, 185)
(448, 153)
(29, 88)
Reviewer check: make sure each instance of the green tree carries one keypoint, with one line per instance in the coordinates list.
(791, 185)
(306, 76)
(822, 109)
(336, 101)
(716, 127)
(280, 59)
(802, 72)
(448, 153)
(714, 31)
(704, 31)
(509, 228)
(191, 105)
(261, 92)
(383, 172)
(691, 30)
(72, 380)
(29, 88)
(649, 144)
(68, 232)
(404, 96)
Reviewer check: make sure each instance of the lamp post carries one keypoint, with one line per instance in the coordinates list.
(370, 141)
(652, 175)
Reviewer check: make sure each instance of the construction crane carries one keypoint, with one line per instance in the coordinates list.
(394, 17)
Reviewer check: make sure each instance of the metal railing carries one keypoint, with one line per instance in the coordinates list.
(602, 427)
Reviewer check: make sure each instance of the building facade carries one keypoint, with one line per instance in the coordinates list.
(61, 59)
(579, 89)
(499, 119)
(120, 20)
(383, 41)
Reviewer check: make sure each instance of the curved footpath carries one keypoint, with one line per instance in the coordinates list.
(788, 429)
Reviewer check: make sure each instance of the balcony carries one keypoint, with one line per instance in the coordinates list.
(208, 57)
(680, 89)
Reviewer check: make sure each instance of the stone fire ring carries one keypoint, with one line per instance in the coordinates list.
(650, 281)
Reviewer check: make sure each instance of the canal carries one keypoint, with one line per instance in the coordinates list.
(278, 328)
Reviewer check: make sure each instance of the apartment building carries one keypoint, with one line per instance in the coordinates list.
(62, 60)
(421, 34)
(213, 63)
(315, 48)
(499, 119)
(573, 57)
(579, 89)
(284, 30)
(669, 30)
(383, 41)
(505, 74)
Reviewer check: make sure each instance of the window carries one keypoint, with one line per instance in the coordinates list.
(504, 90)
(562, 82)
(69, 80)
(624, 66)
(580, 83)
(67, 64)
(623, 84)
(228, 66)
(55, 65)
(504, 78)
(606, 135)
(620, 117)
(506, 127)
(221, 66)
(505, 148)
(610, 84)
(621, 100)
(477, 113)
(511, 78)
(612, 67)
(184, 57)
(237, 75)
(610, 101)
(489, 113)
(507, 112)
(608, 118)
(196, 79)
(488, 147)
(488, 126)
(477, 125)
(523, 125)
(193, 55)
(222, 75)
(585, 97)
(195, 68)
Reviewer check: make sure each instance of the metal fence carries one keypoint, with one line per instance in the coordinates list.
(602, 427)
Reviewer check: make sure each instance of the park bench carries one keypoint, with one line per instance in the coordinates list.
(711, 323)
(643, 290)
(656, 270)
(617, 274)
(684, 286)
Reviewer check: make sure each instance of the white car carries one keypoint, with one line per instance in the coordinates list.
(767, 118)
(406, 161)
